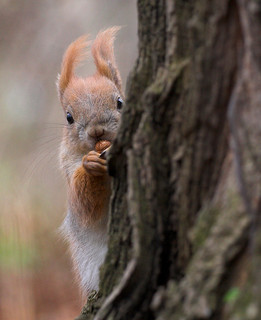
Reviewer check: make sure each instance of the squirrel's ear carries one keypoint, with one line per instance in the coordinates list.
(75, 53)
(103, 54)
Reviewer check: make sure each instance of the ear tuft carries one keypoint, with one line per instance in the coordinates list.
(103, 54)
(75, 53)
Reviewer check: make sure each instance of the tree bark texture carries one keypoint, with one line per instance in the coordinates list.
(185, 234)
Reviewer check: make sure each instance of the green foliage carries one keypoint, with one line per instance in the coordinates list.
(6, 176)
(15, 255)
(231, 295)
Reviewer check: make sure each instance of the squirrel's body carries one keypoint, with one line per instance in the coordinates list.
(92, 108)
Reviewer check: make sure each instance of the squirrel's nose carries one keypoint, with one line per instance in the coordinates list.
(96, 132)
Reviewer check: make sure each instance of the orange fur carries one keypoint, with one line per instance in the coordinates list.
(72, 57)
(103, 54)
(89, 194)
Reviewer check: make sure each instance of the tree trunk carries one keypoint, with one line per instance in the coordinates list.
(185, 234)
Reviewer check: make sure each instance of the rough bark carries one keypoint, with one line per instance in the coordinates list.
(184, 222)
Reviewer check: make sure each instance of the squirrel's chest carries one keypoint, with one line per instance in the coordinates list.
(89, 247)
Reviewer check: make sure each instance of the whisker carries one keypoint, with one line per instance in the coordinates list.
(43, 157)
(46, 149)
(46, 140)
(55, 123)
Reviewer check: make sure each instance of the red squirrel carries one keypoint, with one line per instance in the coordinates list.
(92, 107)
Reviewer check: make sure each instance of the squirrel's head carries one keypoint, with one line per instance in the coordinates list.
(92, 105)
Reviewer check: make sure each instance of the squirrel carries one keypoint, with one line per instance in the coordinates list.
(92, 107)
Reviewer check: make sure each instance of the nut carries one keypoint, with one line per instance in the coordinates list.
(102, 145)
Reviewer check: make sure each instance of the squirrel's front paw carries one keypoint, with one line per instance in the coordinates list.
(93, 164)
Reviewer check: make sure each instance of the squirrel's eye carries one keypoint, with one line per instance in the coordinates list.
(119, 103)
(69, 118)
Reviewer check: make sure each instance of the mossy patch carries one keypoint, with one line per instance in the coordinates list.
(91, 307)
(204, 223)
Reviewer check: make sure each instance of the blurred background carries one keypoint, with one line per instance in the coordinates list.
(36, 281)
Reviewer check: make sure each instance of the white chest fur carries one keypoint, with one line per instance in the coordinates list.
(89, 247)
